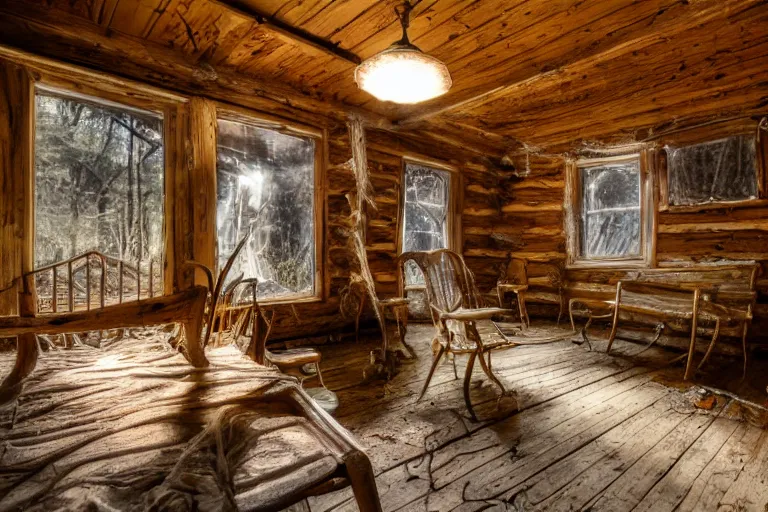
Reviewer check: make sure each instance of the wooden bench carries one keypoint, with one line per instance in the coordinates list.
(717, 300)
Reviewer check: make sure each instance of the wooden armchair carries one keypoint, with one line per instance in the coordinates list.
(455, 310)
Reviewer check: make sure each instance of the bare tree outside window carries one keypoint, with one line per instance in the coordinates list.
(610, 211)
(723, 170)
(266, 185)
(99, 177)
(427, 205)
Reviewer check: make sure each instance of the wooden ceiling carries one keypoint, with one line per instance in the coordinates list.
(540, 72)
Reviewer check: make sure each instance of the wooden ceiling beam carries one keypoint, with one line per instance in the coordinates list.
(287, 32)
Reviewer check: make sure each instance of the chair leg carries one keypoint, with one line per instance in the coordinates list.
(455, 372)
(614, 328)
(694, 329)
(362, 481)
(467, 380)
(491, 376)
(715, 335)
(570, 314)
(319, 374)
(520, 309)
(744, 350)
(523, 309)
(431, 371)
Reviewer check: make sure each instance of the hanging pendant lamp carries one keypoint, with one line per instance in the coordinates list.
(402, 73)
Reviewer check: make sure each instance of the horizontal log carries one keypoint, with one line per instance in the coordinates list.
(714, 227)
(531, 256)
(532, 207)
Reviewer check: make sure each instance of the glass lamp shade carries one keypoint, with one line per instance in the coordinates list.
(403, 74)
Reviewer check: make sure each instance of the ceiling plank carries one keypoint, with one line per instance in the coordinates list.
(542, 53)
(72, 39)
(719, 68)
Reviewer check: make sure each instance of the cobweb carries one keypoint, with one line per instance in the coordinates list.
(363, 195)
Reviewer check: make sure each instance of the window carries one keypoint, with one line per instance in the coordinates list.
(99, 178)
(426, 216)
(266, 185)
(609, 214)
(723, 170)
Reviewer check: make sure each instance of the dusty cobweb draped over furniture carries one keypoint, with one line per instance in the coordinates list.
(266, 186)
(361, 282)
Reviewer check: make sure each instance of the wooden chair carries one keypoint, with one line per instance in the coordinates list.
(455, 310)
(290, 361)
(515, 280)
(545, 289)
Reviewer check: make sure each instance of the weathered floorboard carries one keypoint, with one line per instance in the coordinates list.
(593, 431)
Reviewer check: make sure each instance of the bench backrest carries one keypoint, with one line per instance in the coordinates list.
(728, 283)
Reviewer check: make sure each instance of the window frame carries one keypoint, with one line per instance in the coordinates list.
(236, 114)
(105, 90)
(648, 212)
(738, 127)
(453, 229)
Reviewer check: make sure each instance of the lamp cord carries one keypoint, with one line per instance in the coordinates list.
(404, 14)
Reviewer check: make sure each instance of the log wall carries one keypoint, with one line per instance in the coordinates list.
(190, 176)
(530, 223)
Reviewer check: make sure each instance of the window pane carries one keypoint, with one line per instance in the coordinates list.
(266, 183)
(425, 226)
(722, 170)
(611, 211)
(99, 173)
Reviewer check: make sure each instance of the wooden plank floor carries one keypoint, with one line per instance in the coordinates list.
(593, 431)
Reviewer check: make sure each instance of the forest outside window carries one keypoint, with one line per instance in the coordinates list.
(426, 215)
(99, 186)
(719, 171)
(609, 214)
(266, 186)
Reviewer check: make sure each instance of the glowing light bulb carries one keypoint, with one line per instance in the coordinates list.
(403, 74)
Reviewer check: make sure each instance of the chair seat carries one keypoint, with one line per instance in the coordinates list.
(474, 314)
(394, 302)
(294, 357)
(510, 287)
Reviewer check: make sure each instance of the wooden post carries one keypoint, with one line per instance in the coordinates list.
(201, 158)
(16, 212)
(16, 98)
